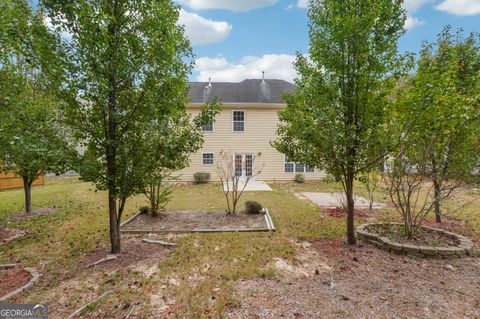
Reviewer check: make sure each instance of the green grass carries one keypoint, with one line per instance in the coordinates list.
(81, 222)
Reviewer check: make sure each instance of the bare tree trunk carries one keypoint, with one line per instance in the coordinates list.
(27, 186)
(350, 208)
(438, 212)
(114, 229)
(153, 200)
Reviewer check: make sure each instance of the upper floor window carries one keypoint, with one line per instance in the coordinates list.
(207, 127)
(296, 167)
(238, 121)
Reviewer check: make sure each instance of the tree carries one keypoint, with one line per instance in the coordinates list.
(127, 66)
(446, 85)
(158, 192)
(336, 118)
(171, 148)
(31, 141)
(371, 180)
(233, 183)
(408, 187)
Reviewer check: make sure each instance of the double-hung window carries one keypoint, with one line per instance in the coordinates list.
(296, 167)
(207, 127)
(238, 121)
(207, 158)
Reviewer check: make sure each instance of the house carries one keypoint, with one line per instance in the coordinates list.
(244, 128)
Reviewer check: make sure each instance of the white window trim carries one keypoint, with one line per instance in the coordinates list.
(213, 158)
(244, 163)
(213, 129)
(295, 167)
(244, 121)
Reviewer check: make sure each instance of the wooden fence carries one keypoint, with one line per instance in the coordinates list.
(10, 181)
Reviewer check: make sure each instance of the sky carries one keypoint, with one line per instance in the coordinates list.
(235, 40)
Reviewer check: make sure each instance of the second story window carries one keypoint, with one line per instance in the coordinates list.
(207, 128)
(238, 121)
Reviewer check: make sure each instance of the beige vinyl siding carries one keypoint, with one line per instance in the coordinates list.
(260, 128)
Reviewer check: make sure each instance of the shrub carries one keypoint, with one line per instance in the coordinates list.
(144, 209)
(252, 207)
(201, 177)
(299, 178)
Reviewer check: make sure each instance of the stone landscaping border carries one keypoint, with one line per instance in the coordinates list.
(33, 273)
(268, 221)
(463, 249)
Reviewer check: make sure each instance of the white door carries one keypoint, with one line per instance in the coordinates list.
(243, 165)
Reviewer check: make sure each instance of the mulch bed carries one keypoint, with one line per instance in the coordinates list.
(423, 236)
(365, 282)
(8, 235)
(196, 220)
(35, 213)
(340, 212)
(133, 252)
(11, 279)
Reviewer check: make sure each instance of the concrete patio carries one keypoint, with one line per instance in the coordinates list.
(333, 200)
(252, 186)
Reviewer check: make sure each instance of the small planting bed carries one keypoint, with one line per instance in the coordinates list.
(36, 213)
(14, 280)
(340, 212)
(189, 222)
(8, 235)
(428, 242)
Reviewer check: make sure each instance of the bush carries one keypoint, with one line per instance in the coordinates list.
(201, 178)
(299, 178)
(252, 207)
(144, 209)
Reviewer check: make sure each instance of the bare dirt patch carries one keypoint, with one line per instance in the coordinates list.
(340, 212)
(35, 213)
(134, 251)
(196, 220)
(364, 282)
(11, 279)
(8, 235)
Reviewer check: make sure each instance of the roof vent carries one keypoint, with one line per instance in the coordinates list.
(263, 76)
(209, 82)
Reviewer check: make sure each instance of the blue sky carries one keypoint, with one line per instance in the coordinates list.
(238, 39)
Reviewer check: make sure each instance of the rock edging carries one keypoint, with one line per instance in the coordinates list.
(463, 249)
(33, 273)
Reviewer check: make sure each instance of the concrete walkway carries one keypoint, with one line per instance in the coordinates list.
(333, 200)
(252, 186)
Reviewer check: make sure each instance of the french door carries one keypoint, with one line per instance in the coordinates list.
(243, 164)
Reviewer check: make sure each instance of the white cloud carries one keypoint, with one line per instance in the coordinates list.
(460, 7)
(234, 5)
(413, 22)
(203, 31)
(411, 6)
(219, 69)
(302, 3)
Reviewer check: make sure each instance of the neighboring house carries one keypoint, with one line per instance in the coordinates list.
(245, 127)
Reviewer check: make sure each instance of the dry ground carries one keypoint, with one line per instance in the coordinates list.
(363, 282)
(301, 271)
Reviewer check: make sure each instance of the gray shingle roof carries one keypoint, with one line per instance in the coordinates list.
(247, 91)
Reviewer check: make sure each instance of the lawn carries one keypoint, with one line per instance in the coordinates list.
(198, 278)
